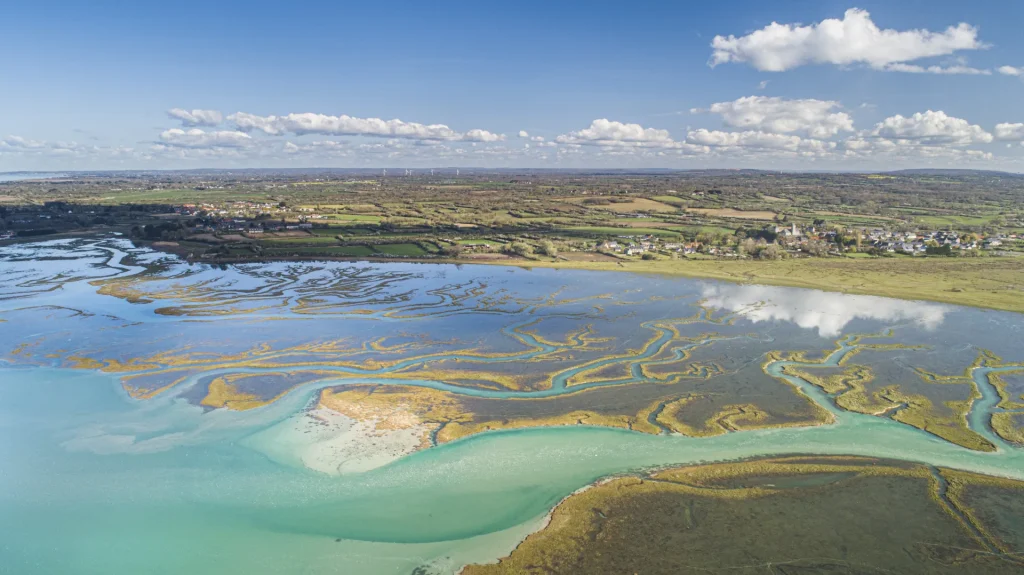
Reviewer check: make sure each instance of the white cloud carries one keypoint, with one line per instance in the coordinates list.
(1010, 132)
(932, 128)
(762, 113)
(1011, 71)
(617, 138)
(478, 135)
(524, 134)
(758, 140)
(956, 69)
(607, 132)
(309, 123)
(853, 40)
(326, 148)
(196, 117)
(900, 150)
(196, 138)
(762, 84)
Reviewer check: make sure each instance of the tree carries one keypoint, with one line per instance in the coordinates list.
(548, 248)
(519, 249)
(771, 252)
(815, 248)
(943, 250)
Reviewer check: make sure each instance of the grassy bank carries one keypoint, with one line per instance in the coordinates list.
(995, 283)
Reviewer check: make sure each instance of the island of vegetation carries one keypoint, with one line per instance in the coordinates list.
(858, 516)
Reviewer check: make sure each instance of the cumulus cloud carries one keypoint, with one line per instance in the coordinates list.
(1011, 71)
(538, 139)
(526, 135)
(478, 135)
(618, 138)
(309, 123)
(828, 313)
(815, 117)
(758, 140)
(196, 117)
(932, 128)
(197, 138)
(1010, 132)
(855, 39)
(607, 132)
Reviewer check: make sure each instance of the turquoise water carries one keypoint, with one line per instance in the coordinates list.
(92, 481)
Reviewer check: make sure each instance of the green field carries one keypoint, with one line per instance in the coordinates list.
(956, 221)
(327, 251)
(603, 231)
(409, 250)
(335, 231)
(492, 243)
(692, 231)
(299, 240)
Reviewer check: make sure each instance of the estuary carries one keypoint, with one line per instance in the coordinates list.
(331, 417)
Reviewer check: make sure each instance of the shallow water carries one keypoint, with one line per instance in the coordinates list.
(93, 481)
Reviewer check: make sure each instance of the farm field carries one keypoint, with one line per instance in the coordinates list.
(734, 214)
(784, 229)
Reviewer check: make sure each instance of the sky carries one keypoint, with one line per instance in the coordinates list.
(796, 85)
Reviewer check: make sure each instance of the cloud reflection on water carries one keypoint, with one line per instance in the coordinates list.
(827, 312)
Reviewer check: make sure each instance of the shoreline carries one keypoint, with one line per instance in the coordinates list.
(952, 281)
(732, 272)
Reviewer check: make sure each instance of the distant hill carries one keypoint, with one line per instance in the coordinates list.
(953, 173)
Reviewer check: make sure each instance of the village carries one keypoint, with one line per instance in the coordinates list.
(811, 241)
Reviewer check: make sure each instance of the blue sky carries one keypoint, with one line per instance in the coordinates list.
(130, 85)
